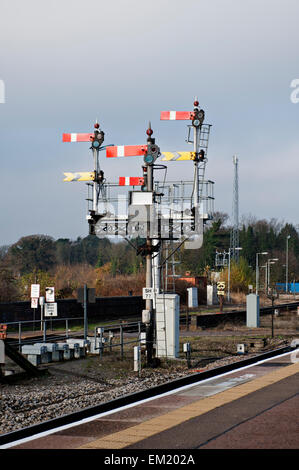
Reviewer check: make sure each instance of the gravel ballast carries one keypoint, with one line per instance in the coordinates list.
(65, 391)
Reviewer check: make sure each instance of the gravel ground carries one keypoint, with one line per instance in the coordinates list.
(73, 385)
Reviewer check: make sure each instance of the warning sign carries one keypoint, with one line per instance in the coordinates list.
(34, 302)
(220, 288)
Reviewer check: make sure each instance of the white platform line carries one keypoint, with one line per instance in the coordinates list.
(146, 400)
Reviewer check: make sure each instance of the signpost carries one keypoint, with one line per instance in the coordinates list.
(34, 294)
(221, 293)
(86, 295)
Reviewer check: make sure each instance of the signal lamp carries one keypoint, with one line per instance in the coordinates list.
(202, 154)
(148, 158)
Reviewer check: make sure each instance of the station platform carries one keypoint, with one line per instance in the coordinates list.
(256, 407)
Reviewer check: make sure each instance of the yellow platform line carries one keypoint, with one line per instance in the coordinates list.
(129, 436)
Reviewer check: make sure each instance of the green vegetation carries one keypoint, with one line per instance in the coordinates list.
(115, 268)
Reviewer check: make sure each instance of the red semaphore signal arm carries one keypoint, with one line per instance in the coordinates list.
(126, 151)
(131, 181)
(75, 137)
(176, 115)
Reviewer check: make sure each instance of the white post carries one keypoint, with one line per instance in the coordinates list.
(228, 277)
(287, 264)
(137, 357)
(257, 273)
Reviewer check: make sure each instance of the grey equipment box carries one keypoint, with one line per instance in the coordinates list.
(65, 351)
(75, 350)
(82, 343)
(94, 346)
(52, 350)
(253, 311)
(36, 354)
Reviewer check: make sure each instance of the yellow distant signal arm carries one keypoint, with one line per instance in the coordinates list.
(80, 176)
(177, 156)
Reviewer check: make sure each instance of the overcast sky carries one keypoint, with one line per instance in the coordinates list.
(65, 64)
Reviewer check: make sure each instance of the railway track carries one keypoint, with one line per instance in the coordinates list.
(130, 399)
(127, 327)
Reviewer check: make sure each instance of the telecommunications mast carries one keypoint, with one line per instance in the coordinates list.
(234, 236)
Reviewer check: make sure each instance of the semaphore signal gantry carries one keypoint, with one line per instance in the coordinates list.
(151, 211)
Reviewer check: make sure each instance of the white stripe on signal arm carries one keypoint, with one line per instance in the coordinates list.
(120, 150)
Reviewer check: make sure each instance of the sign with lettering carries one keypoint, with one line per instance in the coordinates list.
(220, 288)
(51, 309)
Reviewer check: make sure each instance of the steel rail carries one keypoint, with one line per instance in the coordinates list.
(134, 397)
(28, 340)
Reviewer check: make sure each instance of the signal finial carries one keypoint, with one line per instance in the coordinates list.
(149, 130)
(196, 103)
(97, 125)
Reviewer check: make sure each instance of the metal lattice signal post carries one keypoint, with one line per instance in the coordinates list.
(200, 140)
(150, 214)
(150, 152)
(97, 176)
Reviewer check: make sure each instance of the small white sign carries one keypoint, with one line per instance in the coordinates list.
(149, 292)
(51, 309)
(220, 288)
(50, 294)
(35, 289)
(34, 303)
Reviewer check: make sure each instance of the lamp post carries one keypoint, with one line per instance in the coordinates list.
(228, 275)
(257, 270)
(265, 277)
(287, 264)
(269, 261)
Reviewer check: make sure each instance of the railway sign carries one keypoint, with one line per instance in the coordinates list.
(149, 293)
(34, 302)
(220, 288)
(50, 294)
(51, 309)
(35, 290)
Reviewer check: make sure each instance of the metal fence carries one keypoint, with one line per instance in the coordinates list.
(25, 332)
(102, 342)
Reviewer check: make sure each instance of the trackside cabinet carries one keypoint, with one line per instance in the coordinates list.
(252, 311)
(167, 325)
